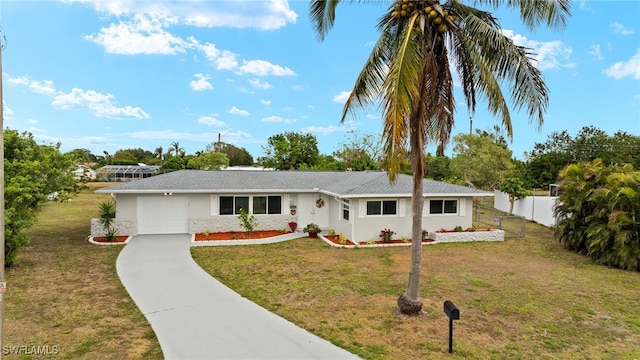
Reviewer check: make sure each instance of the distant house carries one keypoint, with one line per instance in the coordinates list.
(125, 172)
(357, 204)
(84, 172)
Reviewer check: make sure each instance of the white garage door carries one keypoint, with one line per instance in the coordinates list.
(163, 215)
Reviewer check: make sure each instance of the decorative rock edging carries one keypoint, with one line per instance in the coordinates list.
(331, 243)
(467, 236)
(90, 238)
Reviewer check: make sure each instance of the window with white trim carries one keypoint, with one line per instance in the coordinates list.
(231, 205)
(443, 206)
(346, 208)
(382, 207)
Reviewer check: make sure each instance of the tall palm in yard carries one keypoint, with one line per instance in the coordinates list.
(408, 73)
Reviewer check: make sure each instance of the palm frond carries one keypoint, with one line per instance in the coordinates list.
(400, 91)
(323, 16)
(553, 13)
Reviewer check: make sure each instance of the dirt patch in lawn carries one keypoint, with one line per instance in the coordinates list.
(240, 235)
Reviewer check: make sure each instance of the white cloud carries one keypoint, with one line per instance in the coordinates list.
(625, 68)
(235, 111)
(200, 83)
(621, 29)
(277, 119)
(595, 52)
(32, 121)
(324, 130)
(298, 87)
(257, 83)
(263, 68)
(264, 15)
(265, 102)
(211, 52)
(45, 87)
(211, 120)
(548, 54)
(227, 61)
(140, 35)
(7, 111)
(342, 97)
(100, 105)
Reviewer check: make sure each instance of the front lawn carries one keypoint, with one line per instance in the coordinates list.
(64, 293)
(518, 299)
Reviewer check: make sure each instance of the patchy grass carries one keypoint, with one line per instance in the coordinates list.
(524, 298)
(65, 292)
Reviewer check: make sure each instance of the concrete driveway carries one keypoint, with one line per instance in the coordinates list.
(195, 316)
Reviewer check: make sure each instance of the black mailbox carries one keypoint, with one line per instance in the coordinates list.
(451, 310)
(453, 314)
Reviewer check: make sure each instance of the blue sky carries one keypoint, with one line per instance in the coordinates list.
(114, 74)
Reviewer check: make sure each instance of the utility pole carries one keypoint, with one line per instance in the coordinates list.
(3, 284)
(470, 125)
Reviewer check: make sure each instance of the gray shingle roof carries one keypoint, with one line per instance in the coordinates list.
(344, 184)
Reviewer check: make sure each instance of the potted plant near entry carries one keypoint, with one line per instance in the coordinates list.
(312, 229)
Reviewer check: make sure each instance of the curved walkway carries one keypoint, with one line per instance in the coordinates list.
(195, 316)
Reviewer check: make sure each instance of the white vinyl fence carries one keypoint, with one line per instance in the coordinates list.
(535, 208)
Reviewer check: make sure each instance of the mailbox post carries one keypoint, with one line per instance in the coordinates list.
(453, 314)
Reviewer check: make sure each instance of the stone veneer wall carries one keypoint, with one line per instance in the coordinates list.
(125, 227)
(218, 224)
(464, 236)
(232, 223)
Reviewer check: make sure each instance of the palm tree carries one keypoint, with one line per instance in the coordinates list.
(176, 149)
(158, 152)
(408, 73)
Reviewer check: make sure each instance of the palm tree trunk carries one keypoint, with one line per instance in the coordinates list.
(410, 303)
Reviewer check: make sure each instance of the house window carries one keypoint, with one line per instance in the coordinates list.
(274, 204)
(259, 204)
(345, 210)
(230, 205)
(382, 207)
(226, 205)
(443, 206)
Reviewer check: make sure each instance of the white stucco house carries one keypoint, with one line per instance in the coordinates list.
(84, 172)
(358, 204)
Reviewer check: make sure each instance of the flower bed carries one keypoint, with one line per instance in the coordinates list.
(465, 236)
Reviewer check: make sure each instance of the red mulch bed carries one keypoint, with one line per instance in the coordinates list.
(102, 239)
(336, 240)
(239, 235)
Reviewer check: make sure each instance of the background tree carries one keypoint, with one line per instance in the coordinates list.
(408, 73)
(480, 162)
(141, 155)
(290, 151)
(173, 163)
(516, 190)
(176, 150)
(209, 160)
(438, 167)
(325, 163)
(82, 156)
(237, 156)
(123, 157)
(547, 159)
(32, 172)
(360, 152)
